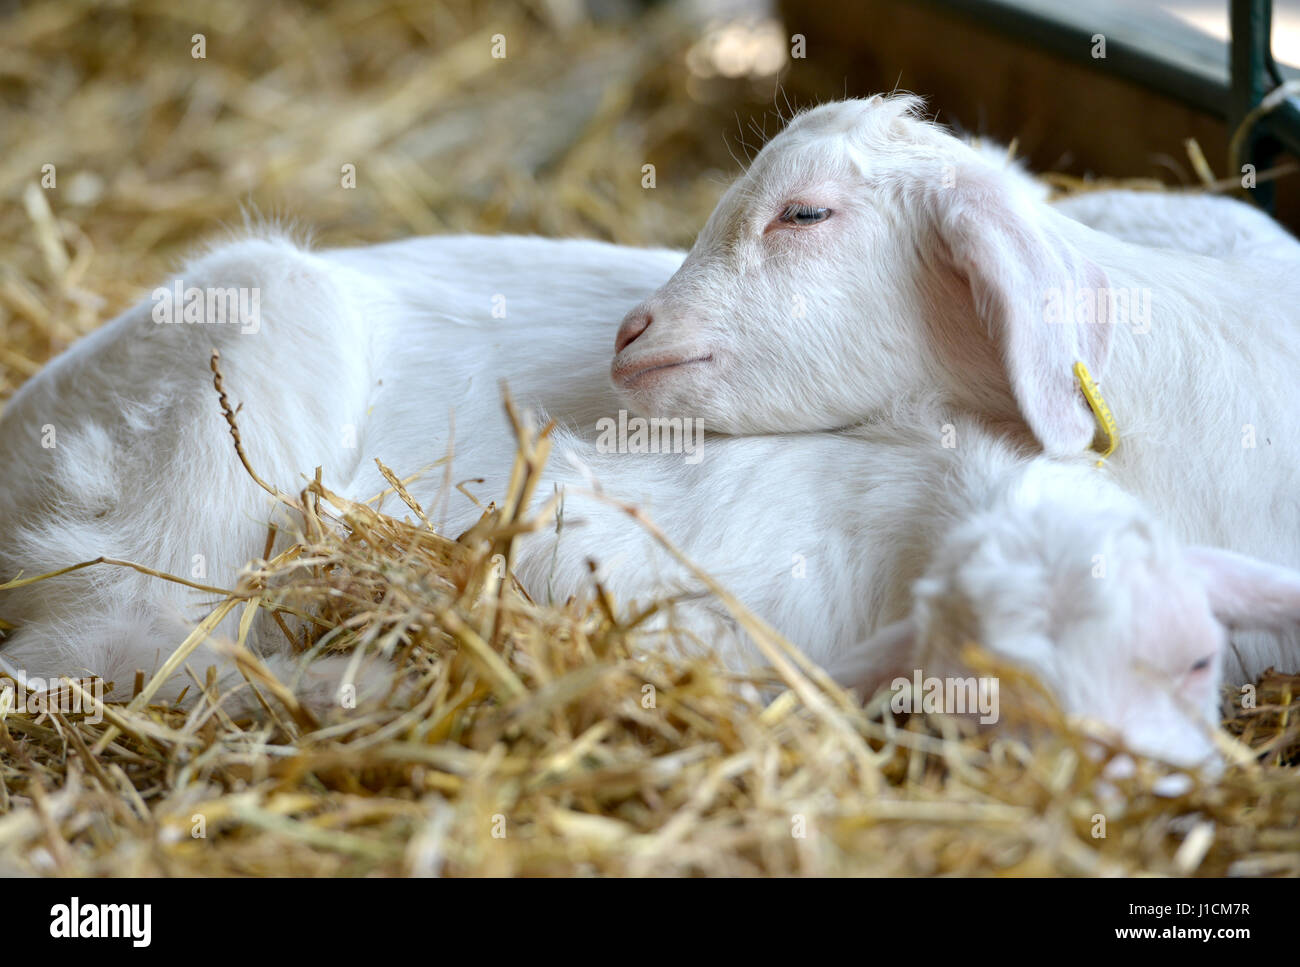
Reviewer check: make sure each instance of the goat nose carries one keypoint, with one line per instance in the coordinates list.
(632, 328)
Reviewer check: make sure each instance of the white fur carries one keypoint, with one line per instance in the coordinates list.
(354, 354)
(1193, 223)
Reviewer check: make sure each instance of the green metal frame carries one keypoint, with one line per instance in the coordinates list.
(1255, 74)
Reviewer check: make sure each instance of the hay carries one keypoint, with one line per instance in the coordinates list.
(516, 738)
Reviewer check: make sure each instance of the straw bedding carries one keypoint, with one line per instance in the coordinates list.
(517, 738)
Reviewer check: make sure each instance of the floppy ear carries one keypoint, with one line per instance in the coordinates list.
(888, 653)
(1245, 592)
(1040, 300)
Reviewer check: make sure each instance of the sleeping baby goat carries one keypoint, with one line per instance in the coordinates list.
(882, 551)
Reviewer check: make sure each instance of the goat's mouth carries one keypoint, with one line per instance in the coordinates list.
(630, 375)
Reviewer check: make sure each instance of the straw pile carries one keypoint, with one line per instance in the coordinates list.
(516, 739)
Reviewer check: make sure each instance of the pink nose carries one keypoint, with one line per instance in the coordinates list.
(633, 326)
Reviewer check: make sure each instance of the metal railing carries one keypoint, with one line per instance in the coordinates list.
(1255, 75)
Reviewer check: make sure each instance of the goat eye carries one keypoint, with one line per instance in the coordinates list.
(1203, 664)
(804, 215)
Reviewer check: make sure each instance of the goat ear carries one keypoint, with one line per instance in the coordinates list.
(1246, 592)
(882, 657)
(1044, 304)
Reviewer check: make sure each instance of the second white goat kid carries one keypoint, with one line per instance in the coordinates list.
(868, 257)
(1046, 563)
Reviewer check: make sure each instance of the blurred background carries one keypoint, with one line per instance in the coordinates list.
(131, 132)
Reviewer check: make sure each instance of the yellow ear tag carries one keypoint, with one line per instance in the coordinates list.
(1107, 432)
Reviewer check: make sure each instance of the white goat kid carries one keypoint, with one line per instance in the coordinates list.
(867, 257)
